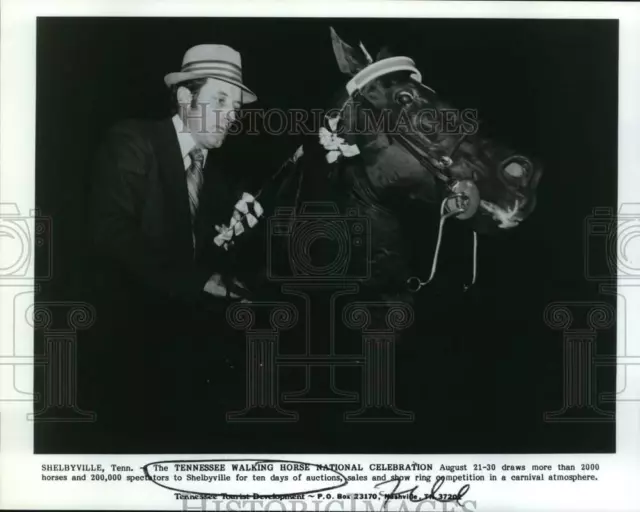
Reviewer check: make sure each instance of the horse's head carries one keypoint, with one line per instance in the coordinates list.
(416, 147)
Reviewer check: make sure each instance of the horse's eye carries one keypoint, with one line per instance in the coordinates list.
(516, 169)
(404, 98)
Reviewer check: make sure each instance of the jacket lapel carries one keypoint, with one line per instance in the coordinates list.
(172, 173)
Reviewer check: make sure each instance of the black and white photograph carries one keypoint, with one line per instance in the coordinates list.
(374, 255)
(329, 235)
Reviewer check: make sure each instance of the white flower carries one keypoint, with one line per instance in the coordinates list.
(332, 156)
(225, 234)
(349, 150)
(329, 140)
(257, 208)
(236, 227)
(251, 220)
(335, 145)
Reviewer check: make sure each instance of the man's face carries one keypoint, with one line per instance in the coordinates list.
(215, 109)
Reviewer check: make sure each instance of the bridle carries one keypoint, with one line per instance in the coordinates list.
(463, 197)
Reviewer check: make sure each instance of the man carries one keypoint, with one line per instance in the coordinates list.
(157, 208)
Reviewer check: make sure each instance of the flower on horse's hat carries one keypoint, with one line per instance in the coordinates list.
(212, 61)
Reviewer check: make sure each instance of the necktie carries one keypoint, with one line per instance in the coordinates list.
(195, 178)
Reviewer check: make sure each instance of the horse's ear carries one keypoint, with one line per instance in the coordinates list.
(384, 53)
(350, 60)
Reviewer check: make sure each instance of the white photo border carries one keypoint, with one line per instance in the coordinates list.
(21, 486)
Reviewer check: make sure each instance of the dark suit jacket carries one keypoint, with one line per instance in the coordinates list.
(140, 210)
(149, 280)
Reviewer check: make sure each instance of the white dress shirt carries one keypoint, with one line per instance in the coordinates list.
(187, 143)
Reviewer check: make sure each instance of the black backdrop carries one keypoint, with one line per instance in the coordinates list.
(547, 87)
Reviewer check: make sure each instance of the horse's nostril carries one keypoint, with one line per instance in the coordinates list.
(515, 170)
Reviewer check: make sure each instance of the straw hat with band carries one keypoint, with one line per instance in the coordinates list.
(212, 61)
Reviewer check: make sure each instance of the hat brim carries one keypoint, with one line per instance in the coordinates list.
(248, 95)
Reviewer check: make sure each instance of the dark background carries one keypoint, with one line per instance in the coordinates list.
(546, 87)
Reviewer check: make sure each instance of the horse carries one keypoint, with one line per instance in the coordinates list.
(341, 212)
(390, 155)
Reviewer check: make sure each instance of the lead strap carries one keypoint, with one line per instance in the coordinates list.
(415, 284)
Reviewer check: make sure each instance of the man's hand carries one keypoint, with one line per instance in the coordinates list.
(215, 286)
(245, 213)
